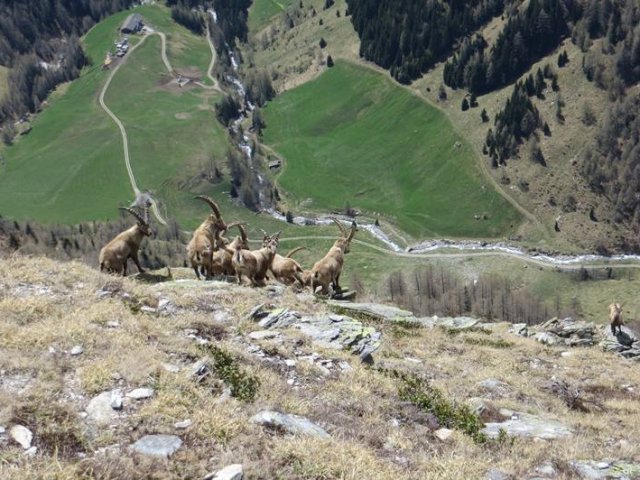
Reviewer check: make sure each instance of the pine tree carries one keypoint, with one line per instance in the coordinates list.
(484, 116)
(323, 42)
(465, 104)
(329, 61)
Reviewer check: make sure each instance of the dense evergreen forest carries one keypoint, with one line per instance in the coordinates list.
(39, 42)
(409, 36)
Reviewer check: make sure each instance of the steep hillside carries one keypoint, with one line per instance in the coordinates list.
(596, 211)
(70, 167)
(111, 378)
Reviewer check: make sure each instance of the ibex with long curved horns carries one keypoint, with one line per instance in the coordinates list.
(326, 272)
(114, 255)
(200, 248)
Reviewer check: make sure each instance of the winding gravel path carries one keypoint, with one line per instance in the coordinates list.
(123, 132)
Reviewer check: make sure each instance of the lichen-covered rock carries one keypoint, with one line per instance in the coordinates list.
(591, 470)
(372, 310)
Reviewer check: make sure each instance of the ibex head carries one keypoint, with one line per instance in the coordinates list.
(343, 242)
(215, 217)
(143, 220)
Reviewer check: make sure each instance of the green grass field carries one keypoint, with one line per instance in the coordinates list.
(70, 167)
(262, 11)
(352, 136)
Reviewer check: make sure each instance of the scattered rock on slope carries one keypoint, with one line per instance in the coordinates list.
(292, 424)
(525, 425)
(157, 445)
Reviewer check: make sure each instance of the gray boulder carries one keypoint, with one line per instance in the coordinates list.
(157, 445)
(292, 424)
(375, 311)
(231, 472)
(100, 409)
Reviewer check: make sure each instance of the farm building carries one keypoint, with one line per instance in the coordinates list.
(132, 24)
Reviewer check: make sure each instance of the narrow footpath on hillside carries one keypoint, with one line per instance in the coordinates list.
(123, 132)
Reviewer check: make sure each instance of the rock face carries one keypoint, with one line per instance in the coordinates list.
(624, 342)
(524, 425)
(157, 445)
(330, 331)
(292, 424)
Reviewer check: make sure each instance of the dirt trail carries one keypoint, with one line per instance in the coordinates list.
(123, 132)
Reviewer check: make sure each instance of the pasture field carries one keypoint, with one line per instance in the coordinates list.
(70, 167)
(262, 11)
(351, 136)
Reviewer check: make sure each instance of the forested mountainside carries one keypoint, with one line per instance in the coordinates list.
(607, 34)
(39, 43)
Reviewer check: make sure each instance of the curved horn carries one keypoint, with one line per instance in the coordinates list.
(276, 236)
(342, 230)
(134, 213)
(243, 232)
(354, 229)
(297, 249)
(235, 224)
(212, 204)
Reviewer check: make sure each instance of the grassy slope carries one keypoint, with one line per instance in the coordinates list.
(353, 136)
(263, 10)
(70, 167)
(370, 425)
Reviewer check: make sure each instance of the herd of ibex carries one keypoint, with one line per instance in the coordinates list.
(211, 254)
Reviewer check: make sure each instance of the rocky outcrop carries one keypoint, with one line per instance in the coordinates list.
(330, 331)
(521, 424)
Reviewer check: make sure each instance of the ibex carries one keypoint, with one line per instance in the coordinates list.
(326, 272)
(114, 255)
(615, 317)
(254, 263)
(200, 248)
(285, 269)
(222, 260)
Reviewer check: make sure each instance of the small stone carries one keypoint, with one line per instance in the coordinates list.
(21, 435)
(443, 434)
(290, 363)
(30, 452)
(157, 445)
(168, 367)
(231, 472)
(495, 474)
(99, 409)
(290, 381)
(52, 350)
(2, 430)
(140, 393)
(147, 309)
(546, 469)
(603, 465)
(263, 335)
(112, 324)
(292, 424)
(183, 424)
(77, 350)
(565, 354)
(116, 400)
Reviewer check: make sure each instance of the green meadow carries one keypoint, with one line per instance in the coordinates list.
(70, 167)
(262, 11)
(353, 137)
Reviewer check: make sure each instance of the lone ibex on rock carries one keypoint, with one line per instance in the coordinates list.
(615, 317)
(200, 248)
(326, 272)
(114, 255)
